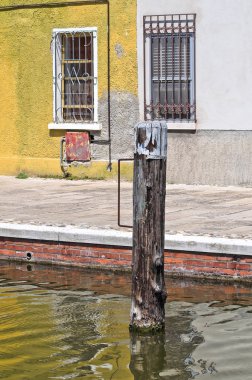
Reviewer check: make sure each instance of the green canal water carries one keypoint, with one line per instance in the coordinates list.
(69, 323)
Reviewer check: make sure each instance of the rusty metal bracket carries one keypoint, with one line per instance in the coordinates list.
(119, 193)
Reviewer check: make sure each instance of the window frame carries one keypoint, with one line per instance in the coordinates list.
(157, 26)
(57, 97)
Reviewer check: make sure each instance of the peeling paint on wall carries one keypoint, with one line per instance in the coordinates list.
(26, 79)
(119, 50)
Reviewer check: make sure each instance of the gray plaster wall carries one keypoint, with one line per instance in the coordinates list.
(210, 157)
(124, 115)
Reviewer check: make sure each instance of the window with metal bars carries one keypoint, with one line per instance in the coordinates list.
(169, 67)
(75, 75)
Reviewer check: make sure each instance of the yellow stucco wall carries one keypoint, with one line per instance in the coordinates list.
(26, 99)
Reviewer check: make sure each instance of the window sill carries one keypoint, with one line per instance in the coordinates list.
(76, 126)
(181, 126)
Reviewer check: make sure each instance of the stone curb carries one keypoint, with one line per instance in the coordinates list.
(97, 236)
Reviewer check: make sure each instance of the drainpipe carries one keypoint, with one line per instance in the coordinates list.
(79, 3)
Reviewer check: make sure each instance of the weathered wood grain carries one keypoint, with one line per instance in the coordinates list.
(148, 287)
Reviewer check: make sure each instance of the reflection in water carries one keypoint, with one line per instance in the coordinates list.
(165, 355)
(95, 331)
(227, 347)
(147, 355)
(66, 323)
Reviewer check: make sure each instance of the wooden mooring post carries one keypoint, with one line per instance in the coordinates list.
(148, 286)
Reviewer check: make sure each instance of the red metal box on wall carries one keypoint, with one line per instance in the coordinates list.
(78, 146)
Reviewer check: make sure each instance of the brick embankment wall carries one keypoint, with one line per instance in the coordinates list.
(65, 253)
(208, 264)
(89, 255)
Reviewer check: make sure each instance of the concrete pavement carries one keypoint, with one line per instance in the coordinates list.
(221, 212)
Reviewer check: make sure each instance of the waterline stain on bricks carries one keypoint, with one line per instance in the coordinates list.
(192, 264)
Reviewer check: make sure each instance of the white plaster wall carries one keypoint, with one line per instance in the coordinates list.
(223, 59)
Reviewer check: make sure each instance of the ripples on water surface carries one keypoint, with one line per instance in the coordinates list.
(69, 323)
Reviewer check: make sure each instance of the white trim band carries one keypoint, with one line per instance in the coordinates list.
(202, 244)
(76, 126)
(181, 126)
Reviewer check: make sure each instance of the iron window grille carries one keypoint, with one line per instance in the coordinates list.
(169, 67)
(75, 75)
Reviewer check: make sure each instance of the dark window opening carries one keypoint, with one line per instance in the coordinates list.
(169, 67)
